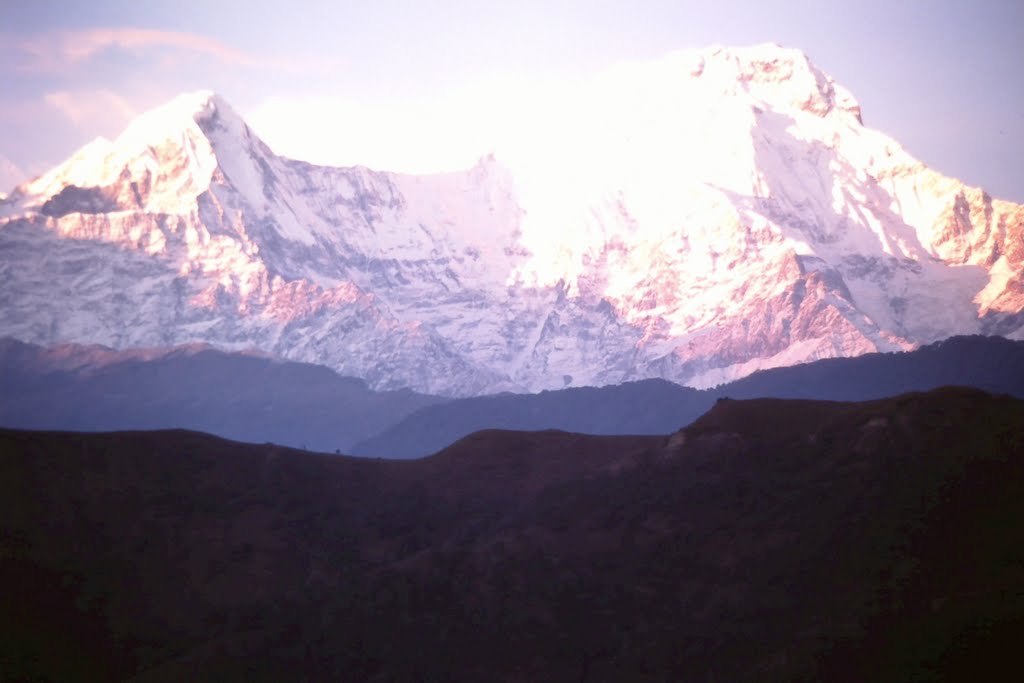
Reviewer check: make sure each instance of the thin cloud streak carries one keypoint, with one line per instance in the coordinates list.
(87, 107)
(59, 51)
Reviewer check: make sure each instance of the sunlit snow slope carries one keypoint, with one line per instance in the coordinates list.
(714, 213)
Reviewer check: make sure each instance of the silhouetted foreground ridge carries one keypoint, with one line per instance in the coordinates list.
(769, 540)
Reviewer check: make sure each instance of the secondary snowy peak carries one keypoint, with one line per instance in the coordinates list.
(696, 218)
(185, 115)
(161, 162)
(780, 78)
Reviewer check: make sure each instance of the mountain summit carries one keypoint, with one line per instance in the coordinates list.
(712, 213)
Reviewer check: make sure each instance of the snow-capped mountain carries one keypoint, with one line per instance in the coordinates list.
(718, 212)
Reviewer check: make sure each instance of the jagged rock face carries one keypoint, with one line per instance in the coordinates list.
(734, 215)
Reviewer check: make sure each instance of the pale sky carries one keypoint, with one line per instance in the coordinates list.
(414, 86)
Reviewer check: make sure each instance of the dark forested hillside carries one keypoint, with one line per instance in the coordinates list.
(769, 540)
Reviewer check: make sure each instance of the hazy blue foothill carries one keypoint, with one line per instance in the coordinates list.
(235, 395)
(256, 399)
(659, 407)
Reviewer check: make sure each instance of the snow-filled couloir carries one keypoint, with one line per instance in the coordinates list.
(696, 218)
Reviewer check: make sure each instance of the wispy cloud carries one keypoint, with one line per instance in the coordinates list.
(10, 174)
(85, 108)
(60, 51)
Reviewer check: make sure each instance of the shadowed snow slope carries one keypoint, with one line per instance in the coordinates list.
(703, 216)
